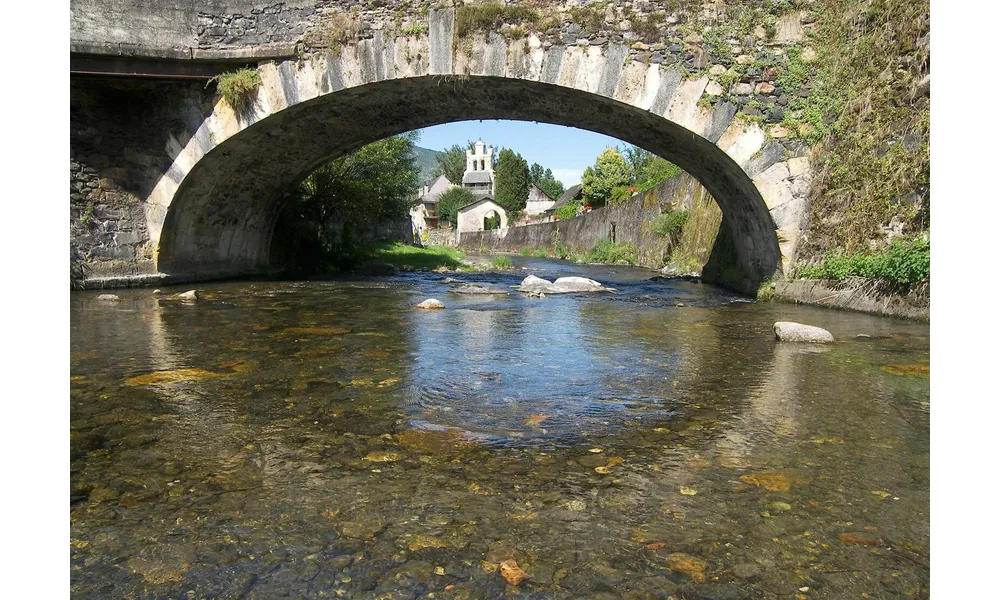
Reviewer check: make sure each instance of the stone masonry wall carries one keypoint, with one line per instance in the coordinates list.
(739, 45)
(626, 223)
(118, 129)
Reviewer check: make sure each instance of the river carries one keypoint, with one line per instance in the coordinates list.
(324, 439)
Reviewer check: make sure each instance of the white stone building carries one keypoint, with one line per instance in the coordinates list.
(478, 176)
(472, 217)
(423, 213)
(538, 201)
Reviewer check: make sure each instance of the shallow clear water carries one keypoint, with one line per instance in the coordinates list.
(323, 439)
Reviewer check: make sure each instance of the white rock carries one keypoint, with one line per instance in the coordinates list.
(577, 284)
(788, 331)
(188, 295)
(109, 298)
(537, 285)
(431, 304)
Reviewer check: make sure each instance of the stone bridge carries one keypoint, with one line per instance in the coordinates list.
(169, 183)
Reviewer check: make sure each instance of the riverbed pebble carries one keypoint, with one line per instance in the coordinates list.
(188, 295)
(108, 298)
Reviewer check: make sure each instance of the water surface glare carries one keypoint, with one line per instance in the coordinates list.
(324, 439)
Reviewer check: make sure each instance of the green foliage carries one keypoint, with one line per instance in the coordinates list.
(610, 171)
(648, 26)
(502, 262)
(868, 63)
(904, 261)
(552, 188)
(414, 30)
(334, 31)
(526, 251)
(470, 18)
(536, 172)
(451, 164)
(404, 255)
(491, 222)
(540, 253)
(606, 251)
(239, 88)
(568, 210)
(319, 227)
(670, 225)
(511, 181)
(545, 181)
(648, 169)
(450, 201)
(559, 248)
(590, 18)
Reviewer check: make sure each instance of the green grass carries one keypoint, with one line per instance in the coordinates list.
(904, 261)
(606, 251)
(399, 255)
(502, 262)
(526, 251)
(540, 253)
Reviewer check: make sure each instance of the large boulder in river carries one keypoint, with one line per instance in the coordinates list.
(563, 285)
(108, 298)
(536, 285)
(787, 331)
(578, 284)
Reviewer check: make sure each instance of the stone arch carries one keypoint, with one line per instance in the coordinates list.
(213, 212)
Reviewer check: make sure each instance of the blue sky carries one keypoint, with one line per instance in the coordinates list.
(565, 150)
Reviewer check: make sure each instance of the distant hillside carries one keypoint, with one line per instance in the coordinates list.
(426, 162)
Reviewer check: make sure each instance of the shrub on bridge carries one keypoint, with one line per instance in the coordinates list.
(239, 88)
(474, 18)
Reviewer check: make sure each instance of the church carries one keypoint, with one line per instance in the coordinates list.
(478, 177)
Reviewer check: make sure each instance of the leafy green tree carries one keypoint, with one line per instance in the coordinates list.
(512, 180)
(451, 164)
(537, 173)
(553, 188)
(604, 181)
(649, 170)
(450, 201)
(319, 226)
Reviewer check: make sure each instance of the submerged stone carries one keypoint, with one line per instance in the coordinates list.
(512, 573)
(176, 376)
(689, 565)
(780, 480)
(787, 331)
(317, 330)
(108, 298)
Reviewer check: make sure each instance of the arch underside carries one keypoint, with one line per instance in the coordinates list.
(220, 220)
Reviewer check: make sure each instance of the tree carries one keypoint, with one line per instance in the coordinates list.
(649, 170)
(552, 188)
(450, 201)
(537, 173)
(321, 222)
(608, 179)
(512, 181)
(451, 164)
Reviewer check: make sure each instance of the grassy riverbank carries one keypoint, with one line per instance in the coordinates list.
(402, 255)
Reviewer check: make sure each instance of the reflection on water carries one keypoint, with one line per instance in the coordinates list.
(323, 439)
